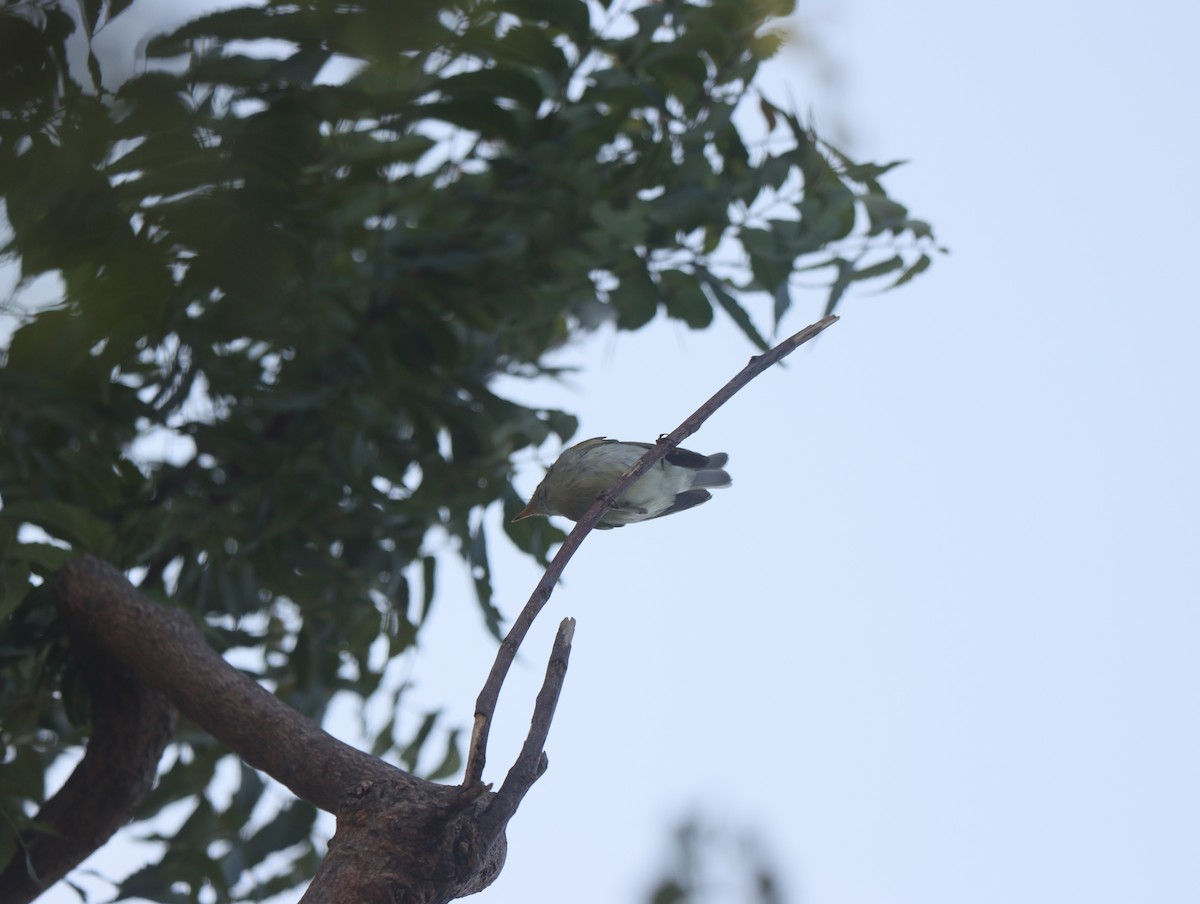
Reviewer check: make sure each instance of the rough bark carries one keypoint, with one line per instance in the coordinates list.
(394, 845)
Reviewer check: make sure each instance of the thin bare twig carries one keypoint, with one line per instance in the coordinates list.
(485, 704)
(531, 762)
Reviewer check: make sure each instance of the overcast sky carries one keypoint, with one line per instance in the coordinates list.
(938, 643)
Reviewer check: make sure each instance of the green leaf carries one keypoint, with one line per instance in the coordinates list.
(782, 298)
(532, 46)
(563, 424)
(734, 309)
(83, 530)
(845, 276)
(8, 533)
(428, 584)
(412, 753)
(770, 260)
(451, 760)
(669, 892)
(42, 558)
(477, 559)
(481, 116)
(685, 300)
(918, 267)
(626, 223)
(242, 23)
(637, 297)
(569, 16)
(76, 694)
(22, 777)
(292, 825)
(14, 584)
(880, 269)
(884, 214)
(488, 84)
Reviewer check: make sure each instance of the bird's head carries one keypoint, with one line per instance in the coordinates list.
(537, 505)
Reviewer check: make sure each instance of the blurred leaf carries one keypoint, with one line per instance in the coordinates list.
(61, 519)
(42, 557)
(845, 276)
(669, 892)
(292, 825)
(920, 266)
(734, 309)
(882, 268)
(571, 16)
(412, 753)
(451, 761)
(14, 582)
(477, 558)
(637, 297)
(685, 299)
(488, 84)
(782, 296)
(428, 585)
(481, 116)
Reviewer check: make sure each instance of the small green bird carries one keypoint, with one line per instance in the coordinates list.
(587, 469)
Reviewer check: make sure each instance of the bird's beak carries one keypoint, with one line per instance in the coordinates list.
(528, 512)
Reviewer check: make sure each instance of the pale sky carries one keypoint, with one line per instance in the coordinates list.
(938, 643)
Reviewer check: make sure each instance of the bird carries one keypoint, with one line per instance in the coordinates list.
(679, 481)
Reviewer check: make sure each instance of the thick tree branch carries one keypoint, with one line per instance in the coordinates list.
(399, 838)
(485, 705)
(165, 649)
(131, 725)
(396, 847)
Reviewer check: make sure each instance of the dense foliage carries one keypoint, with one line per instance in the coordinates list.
(294, 250)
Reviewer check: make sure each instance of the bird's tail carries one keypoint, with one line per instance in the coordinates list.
(708, 468)
(713, 473)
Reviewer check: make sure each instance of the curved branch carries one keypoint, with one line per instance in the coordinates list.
(131, 725)
(165, 649)
(399, 838)
(485, 705)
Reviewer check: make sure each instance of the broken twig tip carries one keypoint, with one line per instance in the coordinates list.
(566, 630)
